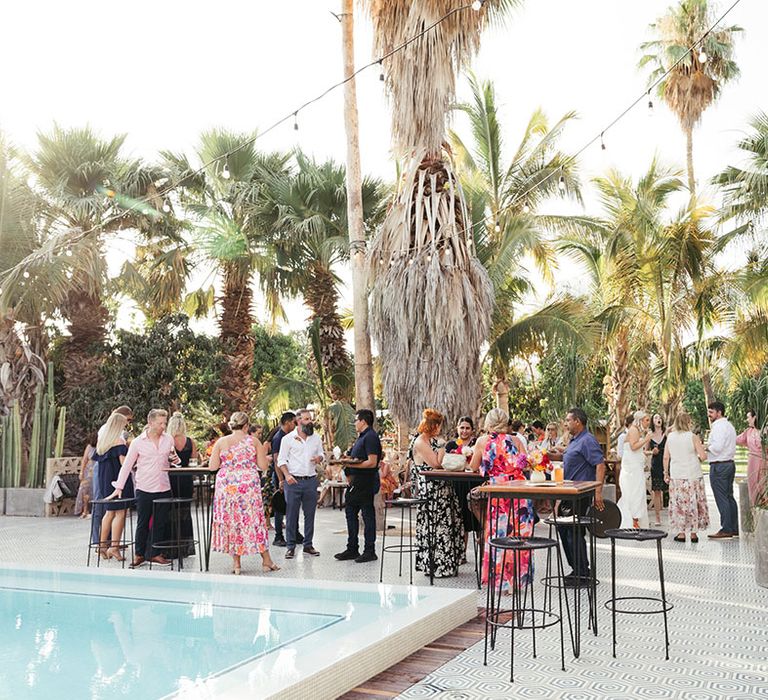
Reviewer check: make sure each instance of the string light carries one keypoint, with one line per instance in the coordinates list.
(295, 121)
(650, 104)
(166, 207)
(477, 5)
(561, 183)
(602, 144)
(68, 252)
(526, 208)
(381, 71)
(225, 171)
(26, 275)
(702, 56)
(497, 228)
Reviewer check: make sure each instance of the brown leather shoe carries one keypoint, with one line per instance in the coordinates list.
(160, 559)
(720, 536)
(137, 562)
(311, 551)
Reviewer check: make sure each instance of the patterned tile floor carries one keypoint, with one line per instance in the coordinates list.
(718, 628)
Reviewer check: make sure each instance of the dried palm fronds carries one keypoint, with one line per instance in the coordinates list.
(421, 78)
(431, 299)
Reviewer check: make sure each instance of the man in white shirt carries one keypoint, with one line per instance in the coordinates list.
(300, 453)
(721, 450)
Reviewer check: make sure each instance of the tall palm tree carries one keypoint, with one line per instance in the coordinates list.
(232, 234)
(432, 299)
(310, 238)
(698, 79)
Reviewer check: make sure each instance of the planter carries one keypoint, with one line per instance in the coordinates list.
(761, 546)
(25, 502)
(746, 514)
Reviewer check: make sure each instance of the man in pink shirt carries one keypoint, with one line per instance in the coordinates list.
(151, 453)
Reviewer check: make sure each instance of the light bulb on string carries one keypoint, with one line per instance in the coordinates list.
(702, 55)
(602, 143)
(295, 121)
(650, 104)
(381, 71)
(497, 228)
(68, 252)
(561, 183)
(26, 275)
(526, 208)
(166, 207)
(476, 5)
(225, 171)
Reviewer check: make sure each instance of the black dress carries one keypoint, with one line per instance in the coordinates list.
(471, 523)
(109, 465)
(184, 487)
(657, 466)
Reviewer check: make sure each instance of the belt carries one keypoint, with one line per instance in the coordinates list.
(722, 461)
(314, 476)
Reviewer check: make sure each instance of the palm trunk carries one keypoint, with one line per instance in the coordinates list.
(237, 340)
(322, 298)
(689, 161)
(84, 353)
(620, 379)
(364, 396)
(706, 382)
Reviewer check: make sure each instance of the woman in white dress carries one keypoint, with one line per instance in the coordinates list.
(683, 456)
(633, 503)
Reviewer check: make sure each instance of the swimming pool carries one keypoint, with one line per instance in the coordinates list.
(98, 635)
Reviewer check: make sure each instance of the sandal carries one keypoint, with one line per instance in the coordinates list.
(694, 539)
(677, 538)
(267, 568)
(114, 553)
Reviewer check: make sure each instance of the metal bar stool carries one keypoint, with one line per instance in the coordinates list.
(125, 542)
(521, 615)
(404, 504)
(178, 544)
(638, 535)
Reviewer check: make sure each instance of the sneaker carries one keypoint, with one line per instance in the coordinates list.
(290, 553)
(279, 542)
(346, 555)
(365, 557)
(720, 535)
(311, 551)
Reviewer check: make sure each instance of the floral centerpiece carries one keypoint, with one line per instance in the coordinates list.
(537, 462)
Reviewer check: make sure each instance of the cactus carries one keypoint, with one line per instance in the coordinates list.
(16, 452)
(60, 432)
(33, 465)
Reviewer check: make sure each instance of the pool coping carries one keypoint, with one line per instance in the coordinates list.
(358, 655)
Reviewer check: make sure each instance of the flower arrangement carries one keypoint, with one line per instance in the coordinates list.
(537, 461)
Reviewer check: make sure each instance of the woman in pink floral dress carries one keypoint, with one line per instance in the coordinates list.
(495, 457)
(756, 466)
(239, 525)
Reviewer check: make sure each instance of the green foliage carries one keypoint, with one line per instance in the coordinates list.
(750, 394)
(277, 354)
(169, 366)
(695, 404)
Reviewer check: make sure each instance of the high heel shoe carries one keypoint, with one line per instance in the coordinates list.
(236, 571)
(114, 553)
(267, 568)
(105, 553)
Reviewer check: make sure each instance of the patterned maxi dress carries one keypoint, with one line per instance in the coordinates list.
(239, 525)
(498, 464)
(442, 509)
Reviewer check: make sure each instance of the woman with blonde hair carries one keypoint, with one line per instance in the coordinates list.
(182, 485)
(633, 503)
(683, 455)
(239, 524)
(442, 506)
(494, 457)
(110, 455)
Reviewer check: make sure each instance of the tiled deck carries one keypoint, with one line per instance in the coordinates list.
(718, 628)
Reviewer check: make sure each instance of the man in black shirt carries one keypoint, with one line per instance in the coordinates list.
(363, 473)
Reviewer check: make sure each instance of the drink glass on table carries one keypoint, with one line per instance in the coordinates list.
(558, 474)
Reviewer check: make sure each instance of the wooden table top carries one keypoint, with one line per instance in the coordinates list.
(526, 488)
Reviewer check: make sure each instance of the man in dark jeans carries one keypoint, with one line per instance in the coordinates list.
(287, 425)
(721, 453)
(363, 471)
(583, 460)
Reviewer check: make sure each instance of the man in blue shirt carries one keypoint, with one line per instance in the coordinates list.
(363, 473)
(583, 460)
(287, 425)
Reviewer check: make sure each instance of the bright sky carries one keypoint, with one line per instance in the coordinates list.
(163, 72)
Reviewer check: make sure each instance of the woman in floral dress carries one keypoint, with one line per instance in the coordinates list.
(756, 466)
(442, 507)
(239, 525)
(494, 457)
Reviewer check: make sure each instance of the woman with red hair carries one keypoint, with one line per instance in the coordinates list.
(442, 506)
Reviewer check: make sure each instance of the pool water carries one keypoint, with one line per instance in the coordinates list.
(105, 647)
(95, 635)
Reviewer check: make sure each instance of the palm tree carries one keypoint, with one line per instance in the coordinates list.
(423, 262)
(697, 80)
(310, 238)
(510, 196)
(231, 233)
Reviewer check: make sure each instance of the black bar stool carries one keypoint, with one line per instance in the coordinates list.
(638, 535)
(515, 546)
(178, 544)
(125, 542)
(404, 504)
